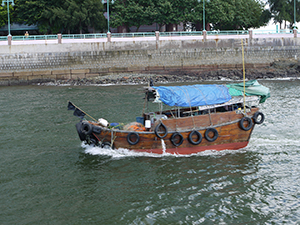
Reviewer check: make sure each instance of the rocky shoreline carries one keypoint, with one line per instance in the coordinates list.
(277, 69)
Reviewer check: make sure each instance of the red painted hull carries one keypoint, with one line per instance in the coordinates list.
(194, 150)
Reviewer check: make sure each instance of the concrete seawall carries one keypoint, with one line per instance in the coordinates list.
(24, 64)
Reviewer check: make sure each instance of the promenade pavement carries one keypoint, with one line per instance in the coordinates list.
(130, 39)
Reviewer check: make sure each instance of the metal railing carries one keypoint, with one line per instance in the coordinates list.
(284, 31)
(228, 32)
(3, 38)
(180, 33)
(34, 37)
(132, 35)
(144, 34)
(84, 36)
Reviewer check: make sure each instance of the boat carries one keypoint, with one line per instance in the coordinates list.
(190, 119)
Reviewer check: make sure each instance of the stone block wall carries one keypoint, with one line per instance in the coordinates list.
(21, 64)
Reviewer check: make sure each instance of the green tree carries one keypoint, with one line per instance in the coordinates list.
(95, 17)
(4, 16)
(164, 13)
(132, 13)
(235, 14)
(52, 16)
(35, 12)
(283, 11)
(222, 14)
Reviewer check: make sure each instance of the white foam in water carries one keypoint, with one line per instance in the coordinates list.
(122, 152)
(273, 141)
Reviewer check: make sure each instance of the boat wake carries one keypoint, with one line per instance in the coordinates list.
(123, 153)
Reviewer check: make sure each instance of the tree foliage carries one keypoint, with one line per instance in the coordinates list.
(73, 16)
(283, 10)
(52, 16)
(235, 14)
(3, 14)
(222, 14)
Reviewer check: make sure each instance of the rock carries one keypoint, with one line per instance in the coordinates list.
(277, 69)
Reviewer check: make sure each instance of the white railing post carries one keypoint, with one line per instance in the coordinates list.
(108, 37)
(250, 34)
(9, 39)
(157, 35)
(204, 35)
(59, 38)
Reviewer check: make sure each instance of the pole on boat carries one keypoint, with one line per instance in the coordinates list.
(81, 110)
(244, 77)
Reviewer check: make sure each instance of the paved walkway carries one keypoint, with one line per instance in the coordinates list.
(130, 39)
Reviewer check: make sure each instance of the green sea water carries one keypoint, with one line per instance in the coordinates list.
(49, 177)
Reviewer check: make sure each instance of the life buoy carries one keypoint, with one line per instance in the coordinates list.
(249, 122)
(211, 130)
(157, 128)
(135, 136)
(199, 137)
(174, 139)
(256, 117)
(86, 128)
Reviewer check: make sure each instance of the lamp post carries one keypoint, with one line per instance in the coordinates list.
(12, 3)
(203, 14)
(294, 13)
(107, 3)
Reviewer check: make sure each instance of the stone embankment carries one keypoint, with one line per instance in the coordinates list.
(135, 61)
(278, 69)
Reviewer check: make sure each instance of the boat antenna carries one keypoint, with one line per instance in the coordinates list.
(244, 77)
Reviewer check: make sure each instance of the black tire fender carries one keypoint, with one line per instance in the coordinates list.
(256, 118)
(156, 130)
(130, 136)
(96, 129)
(81, 135)
(211, 139)
(248, 120)
(173, 139)
(86, 128)
(195, 132)
(107, 145)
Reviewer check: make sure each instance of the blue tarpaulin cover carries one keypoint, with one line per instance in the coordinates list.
(193, 95)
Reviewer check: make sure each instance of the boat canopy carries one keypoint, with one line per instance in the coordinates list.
(192, 95)
(210, 94)
(252, 87)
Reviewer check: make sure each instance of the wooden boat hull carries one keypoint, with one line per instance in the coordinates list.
(227, 125)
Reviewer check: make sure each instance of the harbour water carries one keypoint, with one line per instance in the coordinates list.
(49, 177)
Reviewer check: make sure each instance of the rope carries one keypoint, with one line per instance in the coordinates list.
(189, 98)
(146, 99)
(244, 77)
